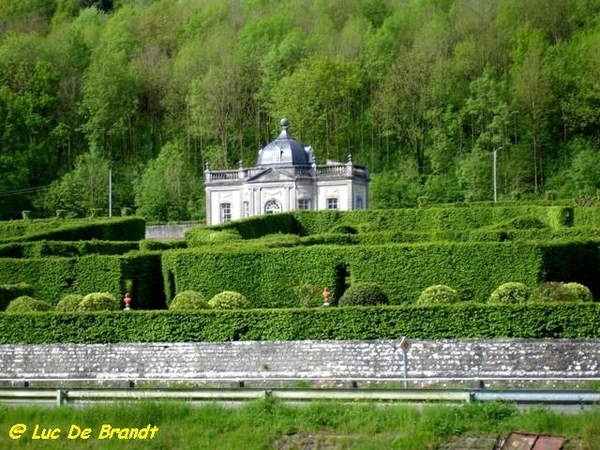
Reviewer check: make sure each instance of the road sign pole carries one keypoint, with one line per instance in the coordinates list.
(405, 346)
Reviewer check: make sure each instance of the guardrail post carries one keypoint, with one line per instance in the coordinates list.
(60, 397)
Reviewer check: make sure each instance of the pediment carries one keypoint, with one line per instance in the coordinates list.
(271, 175)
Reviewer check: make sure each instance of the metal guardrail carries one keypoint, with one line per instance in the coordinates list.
(57, 397)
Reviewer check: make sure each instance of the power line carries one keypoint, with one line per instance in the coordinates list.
(24, 191)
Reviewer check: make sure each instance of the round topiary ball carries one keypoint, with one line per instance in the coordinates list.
(438, 294)
(188, 300)
(26, 304)
(69, 303)
(579, 292)
(229, 300)
(363, 294)
(99, 301)
(550, 291)
(510, 293)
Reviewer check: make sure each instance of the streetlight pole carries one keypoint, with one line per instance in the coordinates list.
(495, 174)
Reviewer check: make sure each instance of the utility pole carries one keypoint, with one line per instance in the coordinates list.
(109, 192)
(495, 175)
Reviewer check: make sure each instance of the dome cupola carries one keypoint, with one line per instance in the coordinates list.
(285, 150)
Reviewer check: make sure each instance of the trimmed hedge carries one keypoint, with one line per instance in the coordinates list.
(438, 218)
(53, 277)
(475, 223)
(44, 248)
(267, 277)
(462, 321)
(107, 229)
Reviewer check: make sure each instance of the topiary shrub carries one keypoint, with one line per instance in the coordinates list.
(69, 303)
(578, 292)
(26, 304)
(309, 295)
(99, 301)
(229, 300)
(363, 294)
(438, 294)
(550, 291)
(188, 300)
(555, 291)
(510, 293)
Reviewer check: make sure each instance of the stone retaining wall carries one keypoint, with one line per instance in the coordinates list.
(381, 359)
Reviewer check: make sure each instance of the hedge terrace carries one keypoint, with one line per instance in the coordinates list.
(105, 229)
(267, 277)
(465, 321)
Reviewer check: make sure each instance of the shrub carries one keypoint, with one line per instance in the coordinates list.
(99, 301)
(188, 300)
(228, 300)
(550, 291)
(554, 291)
(510, 293)
(363, 294)
(9, 292)
(438, 294)
(69, 303)
(578, 292)
(25, 304)
(310, 295)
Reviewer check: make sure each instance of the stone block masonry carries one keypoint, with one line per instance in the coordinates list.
(377, 359)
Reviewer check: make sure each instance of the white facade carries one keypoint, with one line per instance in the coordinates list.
(285, 179)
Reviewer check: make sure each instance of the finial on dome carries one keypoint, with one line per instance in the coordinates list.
(284, 123)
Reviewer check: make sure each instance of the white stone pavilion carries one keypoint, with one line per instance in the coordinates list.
(285, 178)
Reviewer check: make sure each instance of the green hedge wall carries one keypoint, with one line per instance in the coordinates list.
(474, 223)
(267, 276)
(50, 278)
(436, 218)
(53, 277)
(118, 229)
(44, 248)
(586, 216)
(466, 321)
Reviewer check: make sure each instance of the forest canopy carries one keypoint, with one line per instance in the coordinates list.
(423, 92)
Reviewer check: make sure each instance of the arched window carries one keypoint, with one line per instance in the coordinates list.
(272, 207)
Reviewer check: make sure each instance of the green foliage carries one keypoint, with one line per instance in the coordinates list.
(451, 263)
(188, 300)
(228, 300)
(309, 295)
(44, 248)
(438, 294)
(106, 229)
(69, 303)
(99, 301)
(196, 237)
(9, 292)
(510, 293)
(26, 304)
(169, 187)
(455, 321)
(554, 291)
(81, 190)
(363, 294)
(578, 292)
(421, 92)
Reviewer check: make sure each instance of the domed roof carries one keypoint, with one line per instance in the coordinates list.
(284, 150)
